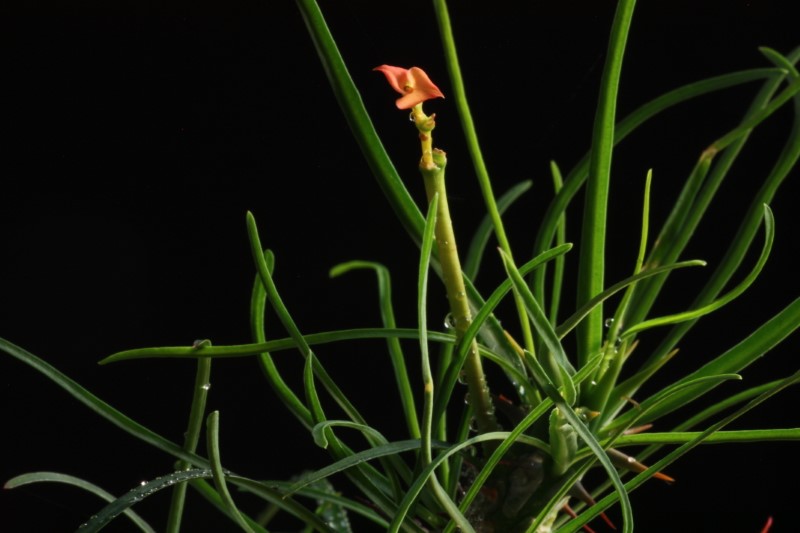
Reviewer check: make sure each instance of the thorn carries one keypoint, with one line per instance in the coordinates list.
(572, 513)
(632, 402)
(626, 461)
(580, 492)
(637, 429)
(504, 398)
(664, 477)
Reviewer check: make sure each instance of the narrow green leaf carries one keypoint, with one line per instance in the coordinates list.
(694, 210)
(334, 498)
(427, 376)
(191, 436)
(422, 318)
(758, 117)
(558, 366)
(637, 481)
(734, 360)
(591, 266)
(113, 509)
(584, 433)
(464, 113)
(561, 233)
(517, 378)
(393, 343)
(369, 480)
(288, 343)
(372, 435)
(517, 436)
(779, 60)
(100, 407)
(399, 518)
(258, 304)
(721, 437)
(394, 466)
(54, 477)
(570, 323)
(769, 229)
(480, 239)
(578, 175)
(312, 398)
(218, 474)
(615, 349)
(724, 404)
(360, 124)
(273, 496)
(289, 323)
(358, 458)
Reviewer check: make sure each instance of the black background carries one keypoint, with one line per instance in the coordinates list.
(133, 146)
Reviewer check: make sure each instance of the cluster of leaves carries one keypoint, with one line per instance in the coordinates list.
(573, 412)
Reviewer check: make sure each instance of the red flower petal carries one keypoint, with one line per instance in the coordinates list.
(396, 76)
(413, 84)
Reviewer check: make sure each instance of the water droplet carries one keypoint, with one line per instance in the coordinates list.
(466, 398)
(462, 377)
(461, 294)
(609, 322)
(205, 386)
(449, 321)
(521, 391)
(594, 383)
(473, 424)
(490, 409)
(411, 116)
(143, 483)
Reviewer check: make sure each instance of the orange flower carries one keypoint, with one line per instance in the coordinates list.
(412, 83)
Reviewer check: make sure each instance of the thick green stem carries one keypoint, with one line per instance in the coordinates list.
(457, 81)
(432, 167)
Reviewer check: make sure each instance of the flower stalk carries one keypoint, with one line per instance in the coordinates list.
(415, 87)
(432, 166)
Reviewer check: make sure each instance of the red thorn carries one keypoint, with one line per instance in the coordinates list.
(505, 399)
(579, 492)
(608, 521)
(664, 477)
(572, 513)
(768, 525)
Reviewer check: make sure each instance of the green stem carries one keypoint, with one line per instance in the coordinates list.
(460, 315)
(201, 386)
(457, 81)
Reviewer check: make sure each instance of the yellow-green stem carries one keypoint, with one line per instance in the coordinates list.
(460, 314)
(432, 166)
(457, 81)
